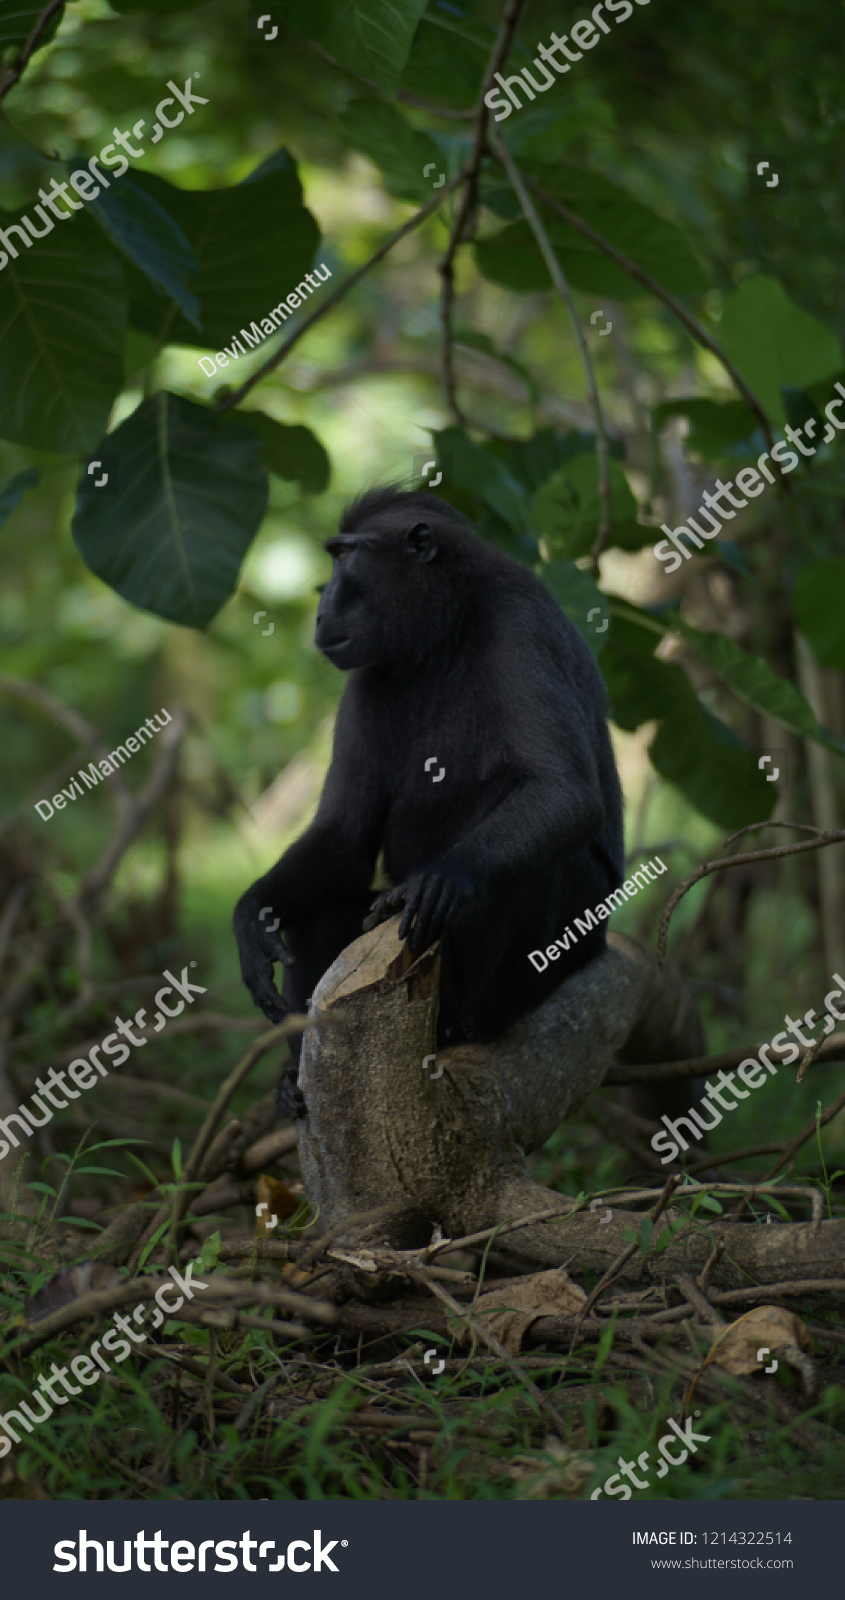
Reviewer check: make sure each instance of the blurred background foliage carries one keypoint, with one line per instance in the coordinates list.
(651, 138)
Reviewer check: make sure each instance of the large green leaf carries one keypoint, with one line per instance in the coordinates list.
(370, 37)
(819, 605)
(290, 450)
(512, 259)
(712, 768)
(474, 468)
(577, 594)
(774, 343)
(751, 679)
(534, 459)
(692, 749)
(401, 155)
(17, 20)
(147, 234)
(567, 509)
(62, 332)
(254, 242)
(186, 498)
(716, 427)
(447, 59)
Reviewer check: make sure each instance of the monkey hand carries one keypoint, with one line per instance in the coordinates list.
(259, 948)
(429, 898)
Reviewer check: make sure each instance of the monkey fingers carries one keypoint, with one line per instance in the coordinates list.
(277, 951)
(427, 906)
(384, 906)
(265, 994)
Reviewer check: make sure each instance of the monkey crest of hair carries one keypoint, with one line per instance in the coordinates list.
(471, 753)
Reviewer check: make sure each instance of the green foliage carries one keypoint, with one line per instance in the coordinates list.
(382, 133)
(753, 681)
(290, 450)
(14, 490)
(820, 609)
(149, 237)
(254, 242)
(774, 343)
(692, 749)
(568, 507)
(512, 259)
(370, 37)
(62, 327)
(717, 428)
(472, 467)
(17, 20)
(579, 596)
(185, 501)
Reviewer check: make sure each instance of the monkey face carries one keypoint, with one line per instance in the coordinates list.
(359, 618)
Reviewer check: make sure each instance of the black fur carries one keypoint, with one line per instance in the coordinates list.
(459, 653)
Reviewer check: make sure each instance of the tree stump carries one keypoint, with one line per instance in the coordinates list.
(440, 1137)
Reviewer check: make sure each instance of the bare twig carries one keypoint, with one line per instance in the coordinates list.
(503, 155)
(18, 67)
(71, 722)
(818, 842)
(177, 1207)
(692, 326)
(328, 302)
(468, 202)
(616, 1266)
(832, 1049)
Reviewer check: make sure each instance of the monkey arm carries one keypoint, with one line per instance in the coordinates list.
(328, 868)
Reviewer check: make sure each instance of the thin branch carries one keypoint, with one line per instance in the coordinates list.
(615, 1268)
(16, 71)
(832, 1049)
(503, 155)
(833, 836)
(331, 300)
(72, 723)
(807, 1133)
(177, 1207)
(129, 823)
(691, 324)
(466, 209)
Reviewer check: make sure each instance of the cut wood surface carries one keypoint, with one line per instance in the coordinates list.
(444, 1144)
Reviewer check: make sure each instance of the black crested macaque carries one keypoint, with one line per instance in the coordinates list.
(471, 748)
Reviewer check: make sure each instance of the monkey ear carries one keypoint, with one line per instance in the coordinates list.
(421, 542)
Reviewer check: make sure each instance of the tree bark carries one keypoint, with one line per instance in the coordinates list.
(440, 1137)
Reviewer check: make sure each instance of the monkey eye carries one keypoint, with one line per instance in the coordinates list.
(340, 555)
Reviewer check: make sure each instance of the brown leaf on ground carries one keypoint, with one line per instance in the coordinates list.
(275, 1202)
(562, 1478)
(510, 1310)
(766, 1328)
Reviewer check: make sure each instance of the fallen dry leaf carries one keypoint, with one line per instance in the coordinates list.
(510, 1310)
(562, 1478)
(765, 1328)
(277, 1200)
